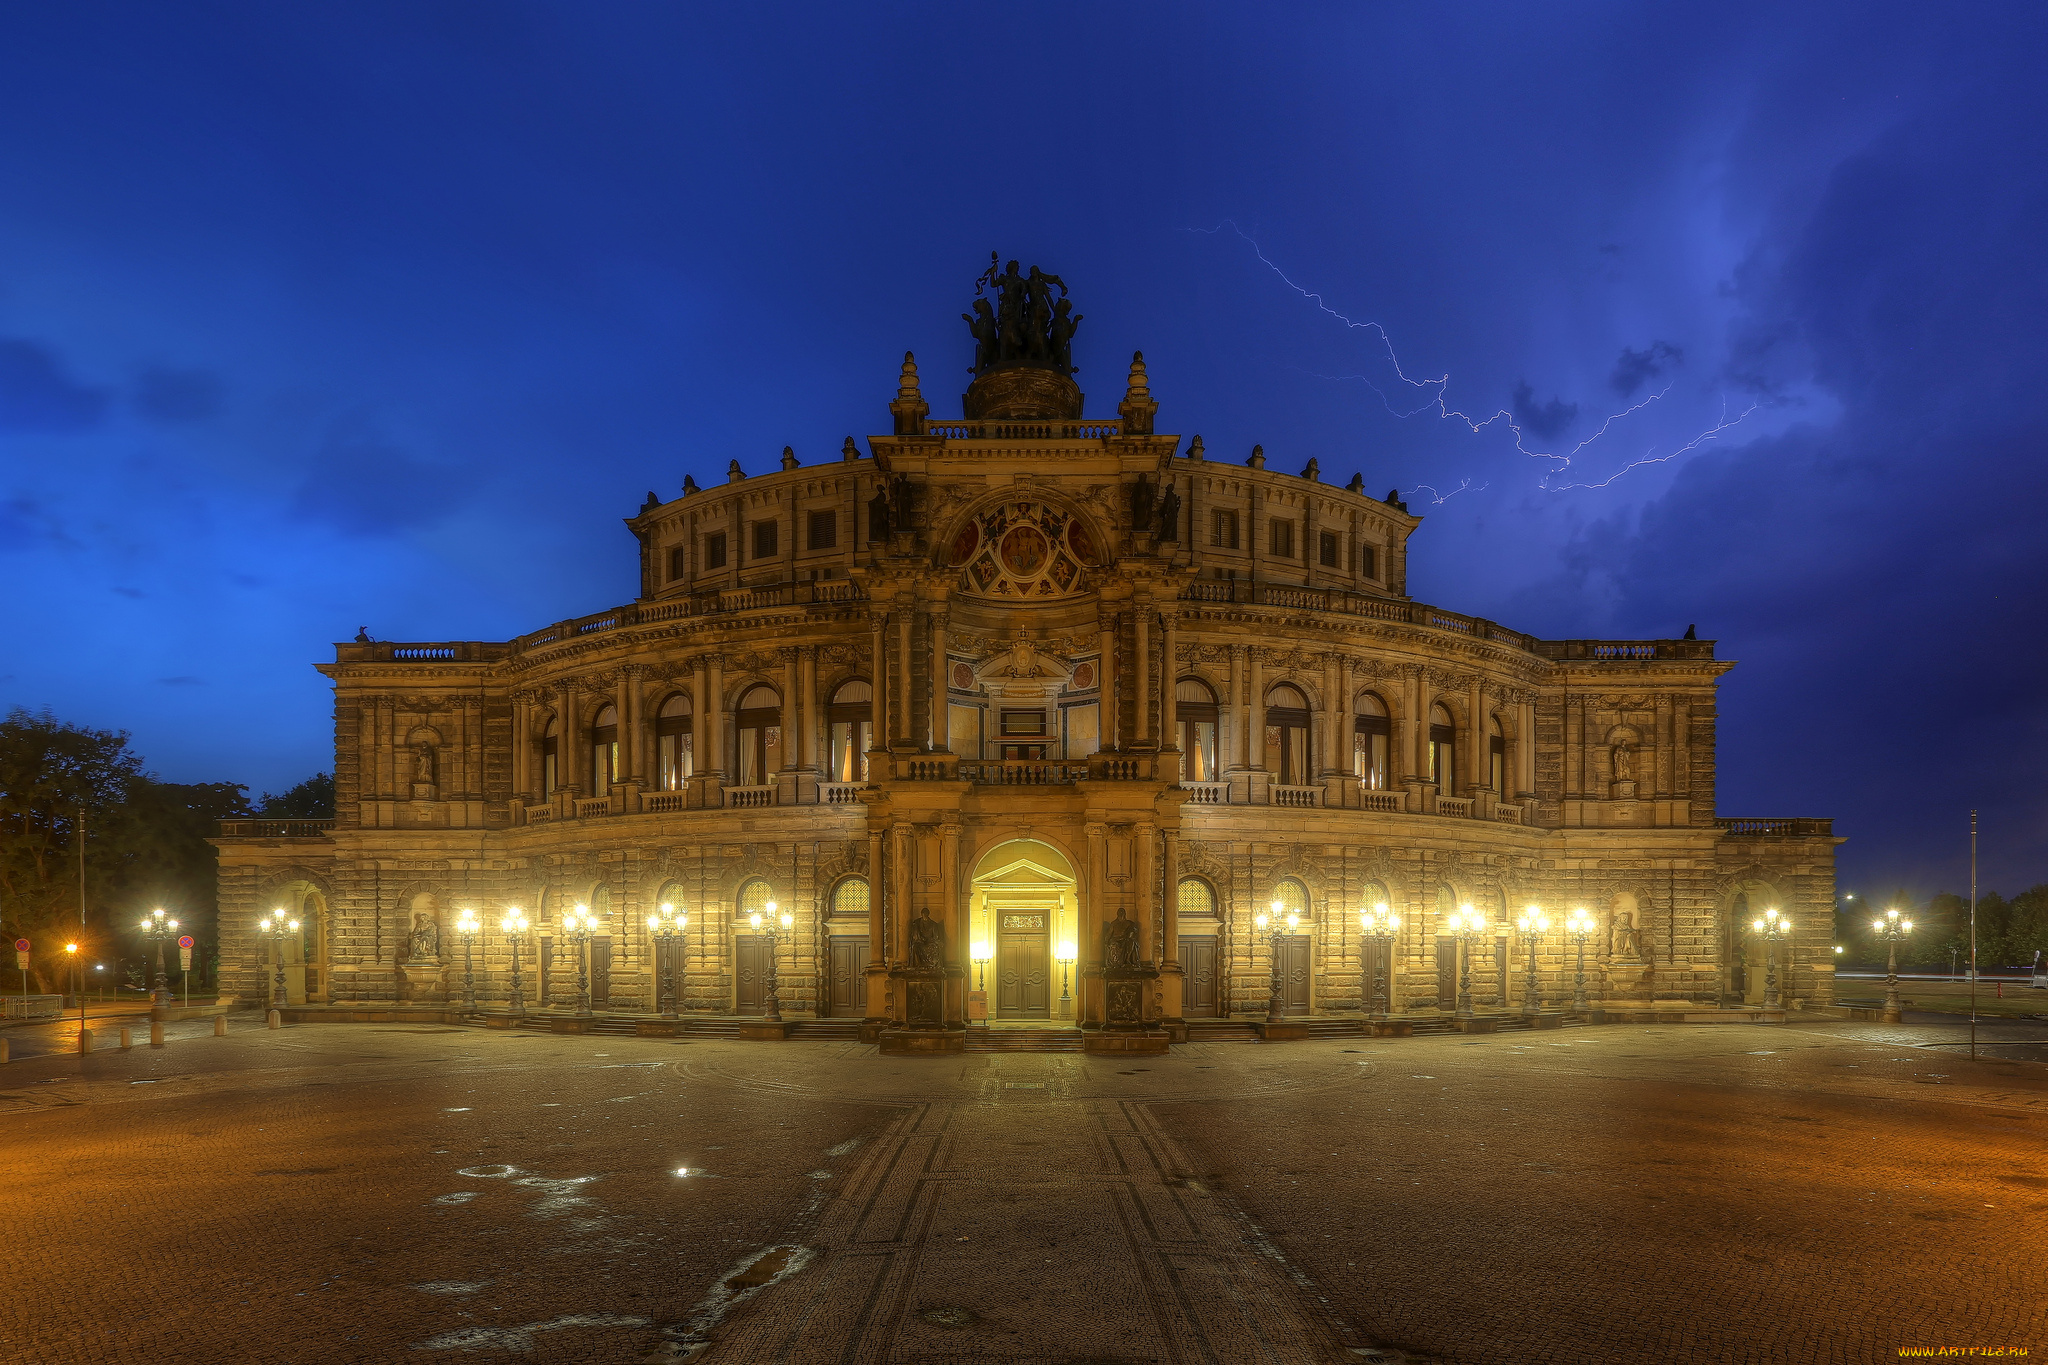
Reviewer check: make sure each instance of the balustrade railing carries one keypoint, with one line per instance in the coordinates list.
(660, 803)
(1297, 796)
(1023, 772)
(540, 815)
(590, 807)
(839, 793)
(1508, 814)
(1745, 826)
(1207, 793)
(1389, 803)
(1459, 807)
(276, 829)
(749, 798)
(1087, 429)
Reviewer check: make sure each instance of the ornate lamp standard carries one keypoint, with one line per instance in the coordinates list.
(1578, 927)
(1379, 926)
(1467, 926)
(513, 925)
(1891, 929)
(577, 927)
(981, 953)
(469, 928)
(276, 928)
(156, 929)
(1066, 954)
(1279, 931)
(1773, 927)
(773, 1013)
(1534, 924)
(667, 925)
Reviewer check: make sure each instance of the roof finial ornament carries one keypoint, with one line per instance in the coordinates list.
(733, 472)
(1314, 472)
(1138, 407)
(1258, 458)
(789, 457)
(849, 451)
(909, 408)
(1195, 449)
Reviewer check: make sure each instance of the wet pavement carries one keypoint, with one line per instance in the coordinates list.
(1819, 1191)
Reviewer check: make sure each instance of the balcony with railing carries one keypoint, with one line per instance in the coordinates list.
(749, 798)
(276, 829)
(1029, 429)
(1767, 827)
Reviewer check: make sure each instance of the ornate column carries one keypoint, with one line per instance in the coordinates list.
(792, 687)
(1094, 903)
(956, 923)
(627, 703)
(906, 719)
(1661, 778)
(1333, 713)
(1482, 736)
(807, 710)
(1169, 679)
(522, 727)
(1105, 644)
(714, 714)
(938, 735)
(570, 766)
(878, 679)
(1172, 982)
(1255, 709)
(1238, 713)
(878, 934)
(700, 708)
(1141, 642)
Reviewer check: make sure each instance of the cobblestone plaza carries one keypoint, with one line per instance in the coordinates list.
(1819, 1191)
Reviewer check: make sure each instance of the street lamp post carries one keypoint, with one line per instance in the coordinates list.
(577, 926)
(276, 928)
(1280, 930)
(1891, 929)
(156, 928)
(1773, 927)
(467, 926)
(1534, 924)
(1379, 926)
(1467, 926)
(773, 1014)
(1578, 927)
(981, 953)
(666, 925)
(513, 925)
(1066, 954)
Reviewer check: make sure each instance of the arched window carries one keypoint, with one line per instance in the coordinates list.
(849, 717)
(1443, 756)
(674, 754)
(1371, 742)
(753, 899)
(1293, 898)
(550, 758)
(850, 899)
(1372, 895)
(758, 752)
(1197, 898)
(604, 751)
(1497, 760)
(1287, 736)
(1195, 704)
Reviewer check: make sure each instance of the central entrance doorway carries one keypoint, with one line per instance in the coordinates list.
(1025, 910)
(1024, 964)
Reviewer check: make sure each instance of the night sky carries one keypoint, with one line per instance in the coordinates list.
(318, 316)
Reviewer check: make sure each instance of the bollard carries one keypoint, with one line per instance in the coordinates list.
(84, 1041)
(275, 1020)
(156, 1033)
(3, 1049)
(126, 1041)
(220, 1026)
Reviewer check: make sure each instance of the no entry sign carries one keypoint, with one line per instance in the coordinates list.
(21, 955)
(184, 952)
(184, 940)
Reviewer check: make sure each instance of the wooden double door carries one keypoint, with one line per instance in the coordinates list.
(1023, 964)
(846, 977)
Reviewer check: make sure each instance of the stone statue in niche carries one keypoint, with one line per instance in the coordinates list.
(1169, 514)
(423, 765)
(1625, 941)
(1120, 944)
(927, 943)
(1624, 762)
(426, 938)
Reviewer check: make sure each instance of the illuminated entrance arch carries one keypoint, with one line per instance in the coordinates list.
(1025, 910)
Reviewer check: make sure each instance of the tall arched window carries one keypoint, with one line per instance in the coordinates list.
(1287, 736)
(1443, 756)
(1195, 703)
(1372, 740)
(849, 717)
(1197, 899)
(753, 898)
(850, 899)
(1497, 759)
(1293, 898)
(550, 758)
(758, 752)
(674, 756)
(604, 751)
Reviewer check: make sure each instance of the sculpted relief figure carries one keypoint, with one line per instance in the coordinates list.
(426, 939)
(423, 764)
(1120, 944)
(1624, 762)
(927, 942)
(1625, 940)
(1026, 324)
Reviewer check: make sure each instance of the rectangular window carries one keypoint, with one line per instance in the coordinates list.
(1327, 541)
(678, 563)
(1223, 528)
(674, 760)
(1368, 562)
(822, 530)
(1023, 723)
(714, 550)
(1281, 538)
(764, 539)
(1370, 742)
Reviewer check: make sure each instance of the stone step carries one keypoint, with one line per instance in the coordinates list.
(1024, 1040)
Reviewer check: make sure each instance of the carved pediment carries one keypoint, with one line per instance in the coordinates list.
(1022, 670)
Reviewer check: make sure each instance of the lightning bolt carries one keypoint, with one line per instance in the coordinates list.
(1437, 388)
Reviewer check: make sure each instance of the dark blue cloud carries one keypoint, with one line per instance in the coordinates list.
(38, 395)
(363, 483)
(1635, 368)
(1545, 420)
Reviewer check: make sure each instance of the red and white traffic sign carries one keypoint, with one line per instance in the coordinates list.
(21, 945)
(184, 940)
(21, 955)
